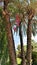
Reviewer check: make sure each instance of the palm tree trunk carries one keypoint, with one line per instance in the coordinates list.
(10, 37)
(22, 48)
(13, 43)
(10, 42)
(29, 52)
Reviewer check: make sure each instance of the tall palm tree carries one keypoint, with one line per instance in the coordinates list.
(9, 35)
(29, 31)
(22, 48)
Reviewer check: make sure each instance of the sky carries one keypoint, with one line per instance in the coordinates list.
(17, 39)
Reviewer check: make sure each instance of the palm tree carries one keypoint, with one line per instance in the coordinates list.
(29, 31)
(22, 48)
(9, 35)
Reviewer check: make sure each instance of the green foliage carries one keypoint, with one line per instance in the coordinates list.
(4, 55)
(18, 61)
(34, 57)
(12, 9)
(0, 12)
(34, 52)
(34, 63)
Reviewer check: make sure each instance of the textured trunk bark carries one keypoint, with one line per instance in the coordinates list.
(22, 49)
(10, 42)
(9, 36)
(13, 43)
(29, 52)
(5, 4)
